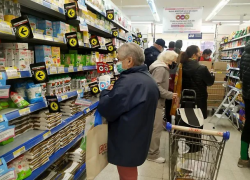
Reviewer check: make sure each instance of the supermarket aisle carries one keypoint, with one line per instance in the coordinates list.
(153, 171)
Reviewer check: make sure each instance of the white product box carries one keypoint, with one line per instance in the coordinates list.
(22, 60)
(9, 57)
(2, 64)
(15, 45)
(32, 61)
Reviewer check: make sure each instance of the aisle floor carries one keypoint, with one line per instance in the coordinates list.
(154, 171)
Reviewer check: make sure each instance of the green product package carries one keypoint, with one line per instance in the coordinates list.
(24, 174)
(83, 62)
(69, 59)
(6, 141)
(4, 104)
(79, 36)
(78, 59)
(88, 60)
(12, 104)
(75, 53)
(62, 59)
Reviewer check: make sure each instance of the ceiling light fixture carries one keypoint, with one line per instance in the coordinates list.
(217, 9)
(142, 22)
(217, 21)
(153, 9)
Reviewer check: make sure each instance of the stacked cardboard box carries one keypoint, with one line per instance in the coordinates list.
(216, 92)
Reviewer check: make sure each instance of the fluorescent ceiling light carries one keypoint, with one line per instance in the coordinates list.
(141, 22)
(217, 9)
(227, 21)
(153, 9)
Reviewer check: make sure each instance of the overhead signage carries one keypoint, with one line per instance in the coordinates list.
(53, 104)
(195, 36)
(94, 88)
(110, 14)
(21, 27)
(182, 20)
(100, 67)
(70, 11)
(39, 73)
(94, 42)
(72, 40)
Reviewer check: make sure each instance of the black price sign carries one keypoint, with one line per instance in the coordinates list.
(139, 35)
(39, 72)
(70, 11)
(112, 81)
(145, 40)
(21, 27)
(94, 42)
(94, 88)
(115, 32)
(110, 47)
(72, 40)
(53, 104)
(111, 66)
(110, 14)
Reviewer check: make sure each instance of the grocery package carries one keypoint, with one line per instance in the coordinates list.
(18, 100)
(22, 125)
(43, 54)
(34, 93)
(77, 155)
(69, 108)
(46, 26)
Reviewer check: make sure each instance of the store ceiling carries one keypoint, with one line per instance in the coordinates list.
(138, 10)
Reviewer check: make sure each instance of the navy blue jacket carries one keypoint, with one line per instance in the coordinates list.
(130, 111)
(151, 55)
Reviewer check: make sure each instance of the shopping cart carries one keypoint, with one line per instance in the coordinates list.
(201, 165)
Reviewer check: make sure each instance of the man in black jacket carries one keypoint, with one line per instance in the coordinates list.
(129, 107)
(153, 52)
(245, 78)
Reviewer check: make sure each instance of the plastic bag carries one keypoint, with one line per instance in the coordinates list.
(18, 100)
(20, 89)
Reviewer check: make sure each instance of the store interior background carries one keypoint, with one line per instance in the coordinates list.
(227, 19)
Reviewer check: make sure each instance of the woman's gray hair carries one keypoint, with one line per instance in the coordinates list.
(168, 56)
(132, 50)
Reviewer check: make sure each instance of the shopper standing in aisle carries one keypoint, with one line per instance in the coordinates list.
(171, 46)
(196, 76)
(178, 46)
(153, 52)
(129, 107)
(160, 71)
(206, 55)
(245, 78)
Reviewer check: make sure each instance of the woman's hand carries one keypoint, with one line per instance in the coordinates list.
(175, 95)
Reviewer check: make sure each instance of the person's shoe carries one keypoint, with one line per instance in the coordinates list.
(243, 163)
(159, 160)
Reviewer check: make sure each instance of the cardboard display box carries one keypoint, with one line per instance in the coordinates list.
(206, 63)
(215, 97)
(213, 103)
(220, 91)
(216, 85)
(220, 66)
(220, 76)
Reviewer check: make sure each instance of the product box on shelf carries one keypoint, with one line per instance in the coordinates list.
(43, 54)
(46, 26)
(55, 51)
(33, 22)
(59, 28)
(22, 59)
(9, 57)
(220, 76)
(15, 45)
(220, 66)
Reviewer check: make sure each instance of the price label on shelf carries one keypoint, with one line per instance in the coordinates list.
(80, 68)
(12, 73)
(87, 110)
(64, 97)
(61, 69)
(48, 38)
(24, 111)
(79, 91)
(1, 118)
(19, 151)
(53, 69)
(46, 135)
(71, 68)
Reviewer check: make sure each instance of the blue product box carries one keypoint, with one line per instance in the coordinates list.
(46, 26)
(33, 22)
(59, 28)
(43, 54)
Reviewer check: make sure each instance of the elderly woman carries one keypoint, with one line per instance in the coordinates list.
(160, 72)
(129, 107)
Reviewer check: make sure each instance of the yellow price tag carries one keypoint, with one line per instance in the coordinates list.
(64, 97)
(79, 91)
(87, 110)
(19, 151)
(61, 69)
(1, 118)
(46, 135)
(24, 111)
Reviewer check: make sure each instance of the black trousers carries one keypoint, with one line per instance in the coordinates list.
(168, 105)
(245, 136)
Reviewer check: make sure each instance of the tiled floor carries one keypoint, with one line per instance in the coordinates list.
(154, 171)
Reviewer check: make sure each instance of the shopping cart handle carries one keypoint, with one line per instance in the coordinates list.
(225, 135)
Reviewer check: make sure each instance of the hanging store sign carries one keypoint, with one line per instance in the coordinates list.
(72, 40)
(39, 73)
(110, 14)
(94, 42)
(195, 36)
(21, 27)
(53, 104)
(115, 32)
(70, 11)
(110, 47)
(110, 66)
(182, 20)
(94, 88)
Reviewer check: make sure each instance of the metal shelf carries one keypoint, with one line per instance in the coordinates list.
(238, 47)
(53, 158)
(6, 36)
(98, 31)
(80, 172)
(33, 137)
(236, 39)
(121, 38)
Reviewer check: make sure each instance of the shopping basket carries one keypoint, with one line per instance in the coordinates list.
(201, 165)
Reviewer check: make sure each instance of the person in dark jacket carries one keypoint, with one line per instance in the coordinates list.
(178, 46)
(245, 78)
(196, 77)
(153, 52)
(171, 46)
(129, 108)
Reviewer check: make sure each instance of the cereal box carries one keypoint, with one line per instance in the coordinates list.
(55, 51)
